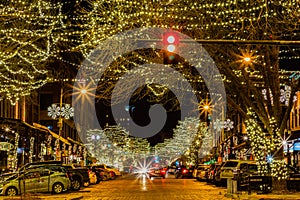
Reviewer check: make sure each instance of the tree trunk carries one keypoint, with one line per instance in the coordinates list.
(279, 186)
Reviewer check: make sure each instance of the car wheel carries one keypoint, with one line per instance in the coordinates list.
(178, 175)
(98, 179)
(113, 175)
(11, 191)
(76, 184)
(105, 178)
(57, 188)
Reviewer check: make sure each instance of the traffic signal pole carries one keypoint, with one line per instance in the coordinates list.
(268, 42)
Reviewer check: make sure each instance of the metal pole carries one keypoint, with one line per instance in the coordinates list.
(217, 41)
(60, 118)
(60, 125)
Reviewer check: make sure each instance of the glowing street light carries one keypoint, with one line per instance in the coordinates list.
(83, 91)
(247, 59)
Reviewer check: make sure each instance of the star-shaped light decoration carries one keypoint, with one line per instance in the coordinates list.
(246, 58)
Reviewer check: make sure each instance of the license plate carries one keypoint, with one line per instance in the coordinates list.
(157, 172)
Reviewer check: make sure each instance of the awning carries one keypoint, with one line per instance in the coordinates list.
(52, 133)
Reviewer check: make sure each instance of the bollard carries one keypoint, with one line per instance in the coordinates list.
(229, 185)
(234, 186)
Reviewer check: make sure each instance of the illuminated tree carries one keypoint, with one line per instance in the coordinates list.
(200, 145)
(26, 39)
(251, 72)
(248, 69)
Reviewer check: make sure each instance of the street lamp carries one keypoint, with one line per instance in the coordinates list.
(63, 111)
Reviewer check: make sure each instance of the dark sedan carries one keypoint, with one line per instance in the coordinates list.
(157, 172)
(184, 172)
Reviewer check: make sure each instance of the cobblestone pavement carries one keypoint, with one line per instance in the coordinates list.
(130, 188)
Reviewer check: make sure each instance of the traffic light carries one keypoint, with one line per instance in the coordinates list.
(170, 43)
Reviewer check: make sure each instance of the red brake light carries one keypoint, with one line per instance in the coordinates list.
(185, 171)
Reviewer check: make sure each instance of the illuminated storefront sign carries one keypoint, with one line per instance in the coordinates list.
(5, 146)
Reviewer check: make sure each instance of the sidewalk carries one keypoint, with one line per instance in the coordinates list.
(271, 196)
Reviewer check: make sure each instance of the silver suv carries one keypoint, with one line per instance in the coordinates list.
(36, 180)
(233, 166)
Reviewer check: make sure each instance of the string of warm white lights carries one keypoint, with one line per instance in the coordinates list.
(265, 146)
(36, 31)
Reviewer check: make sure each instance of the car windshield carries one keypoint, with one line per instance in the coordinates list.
(252, 167)
(231, 164)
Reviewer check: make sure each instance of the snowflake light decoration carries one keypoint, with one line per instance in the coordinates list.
(228, 124)
(285, 94)
(218, 125)
(53, 111)
(67, 111)
(264, 92)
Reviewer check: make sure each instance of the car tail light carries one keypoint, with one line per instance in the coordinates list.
(185, 171)
(162, 171)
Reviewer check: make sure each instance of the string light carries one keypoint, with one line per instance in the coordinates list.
(265, 146)
(37, 31)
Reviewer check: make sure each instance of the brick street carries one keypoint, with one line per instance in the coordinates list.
(131, 188)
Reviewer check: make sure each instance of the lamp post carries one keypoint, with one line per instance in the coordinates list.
(60, 121)
(60, 112)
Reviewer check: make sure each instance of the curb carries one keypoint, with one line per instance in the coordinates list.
(40, 198)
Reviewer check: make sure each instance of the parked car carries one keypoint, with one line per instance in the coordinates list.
(243, 173)
(212, 173)
(172, 169)
(233, 166)
(36, 180)
(93, 177)
(195, 171)
(218, 181)
(184, 172)
(157, 172)
(113, 171)
(78, 176)
(102, 174)
(37, 164)
(201, 173)
(5, 176)
(293, 181)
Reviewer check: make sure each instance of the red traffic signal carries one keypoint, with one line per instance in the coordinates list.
(170, 40)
